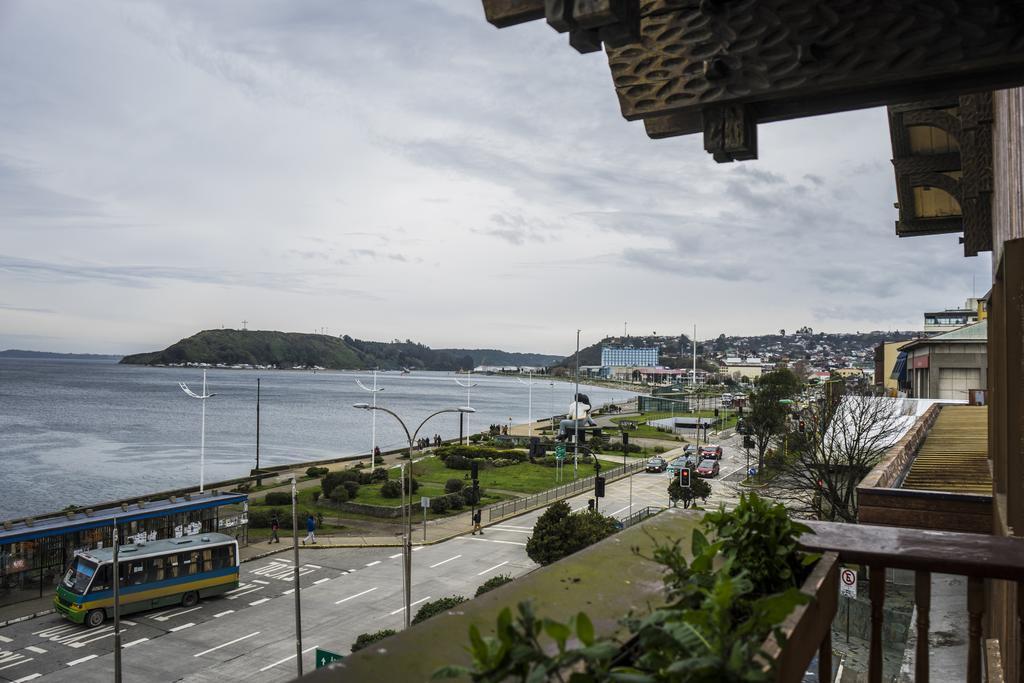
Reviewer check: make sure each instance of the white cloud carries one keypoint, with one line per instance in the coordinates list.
(168, 167)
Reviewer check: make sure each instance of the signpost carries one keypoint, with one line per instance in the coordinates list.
(425, 504)
(559, 457)
(848, 589)
(325, 657)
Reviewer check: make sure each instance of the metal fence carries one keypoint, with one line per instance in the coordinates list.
(517, 505)
(640, 515)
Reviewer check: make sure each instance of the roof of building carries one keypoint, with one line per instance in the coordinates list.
(975, 332)
(24, 530)
(954, 454)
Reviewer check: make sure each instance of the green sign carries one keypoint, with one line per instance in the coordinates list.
(560, 452)
(325, 657)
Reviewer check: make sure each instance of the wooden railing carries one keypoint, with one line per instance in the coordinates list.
(977, 557)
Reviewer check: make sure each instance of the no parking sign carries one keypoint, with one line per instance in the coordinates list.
(848, 583)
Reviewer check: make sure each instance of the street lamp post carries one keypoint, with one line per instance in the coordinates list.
(202, 438)
(407, 517)
(373, 418)
(468, 386)
(530, 404)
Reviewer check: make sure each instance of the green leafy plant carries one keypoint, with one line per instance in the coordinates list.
(560, 532)
(367, 639)
(492, 583)
(688, 496)
(435, 607)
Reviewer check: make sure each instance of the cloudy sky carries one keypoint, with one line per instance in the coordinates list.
(401, 169)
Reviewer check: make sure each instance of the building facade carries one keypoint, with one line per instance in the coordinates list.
(948, 366)
(629, 356)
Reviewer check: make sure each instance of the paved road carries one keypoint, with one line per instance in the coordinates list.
(248, 635)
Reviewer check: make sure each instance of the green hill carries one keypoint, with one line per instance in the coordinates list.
(290, 349)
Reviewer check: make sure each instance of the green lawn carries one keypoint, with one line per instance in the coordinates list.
(648, 432)
(523, 478)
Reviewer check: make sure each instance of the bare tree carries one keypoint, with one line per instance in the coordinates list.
(844, 437)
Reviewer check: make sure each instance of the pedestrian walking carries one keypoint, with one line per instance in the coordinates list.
(476, 523)
(310, 528)
(275, 524)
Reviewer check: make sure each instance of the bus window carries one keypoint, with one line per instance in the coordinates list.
(172, 566)
(102, 580)
(208, 560)
(79, 575)
(193, 566)
(157, 571)
(231, 556)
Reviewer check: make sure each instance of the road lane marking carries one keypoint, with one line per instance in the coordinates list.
(412, 604)
(178, 614)
(241, 587)
(30, 677)
(225, 612)
(512, 526)
(128, 623)
(489, 540)
(82, 643)
(314, 566)
(445, 561)
(419, 547)
(288, 592)
(19, 663)
(53, 631)
(168, 611)
(491, 569)
(258, 602)
(355, 596)
(238, 595)
(390, 557)
(182, 627)
(5, 639)
(135, 642)
(514, 531)
(287, 659)
(370, 564)
(230, 642)
(37, 650)
(319, 581)
(83, 659)
(265, 583)
(619, 510)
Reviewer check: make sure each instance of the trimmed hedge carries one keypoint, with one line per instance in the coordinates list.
(316, 471)
(492, 583)
(278, 498)
(486, 452)
(367, 639)
(435, 607)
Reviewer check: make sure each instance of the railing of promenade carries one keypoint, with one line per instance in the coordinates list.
(518, 505)
(993, 565)
(640, 515)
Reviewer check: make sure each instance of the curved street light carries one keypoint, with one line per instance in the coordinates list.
(468, 386)
(407, 509)
(373, 427)
(202, 439)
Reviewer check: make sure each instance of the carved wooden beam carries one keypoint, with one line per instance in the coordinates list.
(504, 13)
(782, 59)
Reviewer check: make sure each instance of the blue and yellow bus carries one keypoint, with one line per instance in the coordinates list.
(174, 571)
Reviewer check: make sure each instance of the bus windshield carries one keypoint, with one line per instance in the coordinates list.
(79, 575)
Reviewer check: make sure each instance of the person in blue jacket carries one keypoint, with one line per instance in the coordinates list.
(310, 528)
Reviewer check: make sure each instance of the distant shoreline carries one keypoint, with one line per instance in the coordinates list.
(20, 353)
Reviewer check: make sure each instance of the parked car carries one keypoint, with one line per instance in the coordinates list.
(678, 464)
(690, 450)
(707, 468)
(657, 464)
(711, 451)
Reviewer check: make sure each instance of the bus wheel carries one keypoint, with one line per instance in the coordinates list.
(94, 618)
(189, 599)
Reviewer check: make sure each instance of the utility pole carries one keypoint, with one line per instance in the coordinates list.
(693, 379)
(117, 609)
(576, 413)
(259, 479)
(295, 575)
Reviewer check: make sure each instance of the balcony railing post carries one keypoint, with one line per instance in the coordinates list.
(923, 600)
(825, 657)
(876, 585)
(975, 610)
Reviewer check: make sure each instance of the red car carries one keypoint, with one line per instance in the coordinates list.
(711, 451)
(707, 468)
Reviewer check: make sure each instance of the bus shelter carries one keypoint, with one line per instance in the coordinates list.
(35, 552)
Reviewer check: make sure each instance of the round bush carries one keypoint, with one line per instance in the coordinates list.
(278, 498)
(456, 501)
(352, 488)
(457, 462)
(454, 485)
(415, 485)
(471, 496)
(365, 478)
(339, 494)
(391, 489)
(379, 474)
(316, 471)
(439, 504)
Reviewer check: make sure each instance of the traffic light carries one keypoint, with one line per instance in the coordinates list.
(599, 487)
(684, 477)
(716, 412)
(474, 469)
(748, 442)
(625, 442)
(590, 504)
